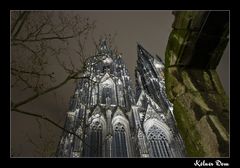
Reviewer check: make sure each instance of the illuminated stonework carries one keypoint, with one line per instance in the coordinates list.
(111, 120)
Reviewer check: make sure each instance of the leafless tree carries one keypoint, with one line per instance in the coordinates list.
(39, 39)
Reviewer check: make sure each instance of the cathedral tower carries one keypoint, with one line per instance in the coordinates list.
(100, 110)
(155, 123)
(106, 119)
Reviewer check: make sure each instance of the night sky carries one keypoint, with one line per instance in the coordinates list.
(149, 28)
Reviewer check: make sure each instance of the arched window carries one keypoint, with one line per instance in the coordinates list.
(83, 92)
(119, 143)
(77, 144)
(159, 146)
(120, 93)
(107, 90)
(106, 95)
(94, 96)
(95, 143)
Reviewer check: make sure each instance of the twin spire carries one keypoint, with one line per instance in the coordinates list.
(143, 53)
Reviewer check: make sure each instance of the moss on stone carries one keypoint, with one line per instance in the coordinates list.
(171, 81)
(175, 47)
(201, 107)
(197, 79)
(217, 82)
(188, 131)
(222, 131)
(207, 81)
(187, 82)
(219, 132)
(197, 111)
(209, 139)
(188, 20)
(219, 107)
(201, 101)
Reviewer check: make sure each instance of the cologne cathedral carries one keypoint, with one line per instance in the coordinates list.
(111, 119)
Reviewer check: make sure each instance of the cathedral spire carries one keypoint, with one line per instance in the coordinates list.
(143, 53)
(103, 47)
(105, 114)
(103, 44)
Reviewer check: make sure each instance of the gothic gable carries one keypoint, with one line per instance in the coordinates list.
(119, 112)
(151, 113)
(96, 111)
(107, 80)
(120, 117)
(144, 99)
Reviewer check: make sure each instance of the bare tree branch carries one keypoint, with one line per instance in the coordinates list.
(33, 73)
(68, 78)
(37, 37)
(52, 122)
(22, 18)
(45, 39)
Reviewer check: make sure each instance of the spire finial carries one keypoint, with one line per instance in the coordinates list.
(103, 47)
(103, 44)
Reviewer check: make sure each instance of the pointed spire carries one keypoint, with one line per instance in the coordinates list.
(119, 59)
(103, 44)
(103, 48)
(119, 55)
(142, 52)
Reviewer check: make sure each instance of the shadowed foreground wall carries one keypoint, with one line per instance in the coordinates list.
(201, 108)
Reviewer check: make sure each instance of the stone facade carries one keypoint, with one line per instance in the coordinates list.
(111, 120)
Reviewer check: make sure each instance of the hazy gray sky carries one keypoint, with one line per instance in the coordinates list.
(149, 28)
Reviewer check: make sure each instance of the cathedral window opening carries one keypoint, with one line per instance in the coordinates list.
(119, 141)
(158, 143)
(94, 95)
(95, 140)
(106, 95)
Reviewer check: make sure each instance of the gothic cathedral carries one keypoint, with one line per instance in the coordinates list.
(110, 119)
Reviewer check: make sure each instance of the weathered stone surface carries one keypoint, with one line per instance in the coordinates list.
(198, 39)
(200, 104)
(189, 20)
(201, 110)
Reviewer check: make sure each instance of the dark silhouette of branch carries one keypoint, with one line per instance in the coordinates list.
(36, 38)
(22, 18)
(45, 39)
(17, 20)
(68, 78)
(52, 122)
(32, 73)
(25, 81)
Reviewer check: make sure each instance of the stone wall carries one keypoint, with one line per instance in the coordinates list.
(201, 106)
